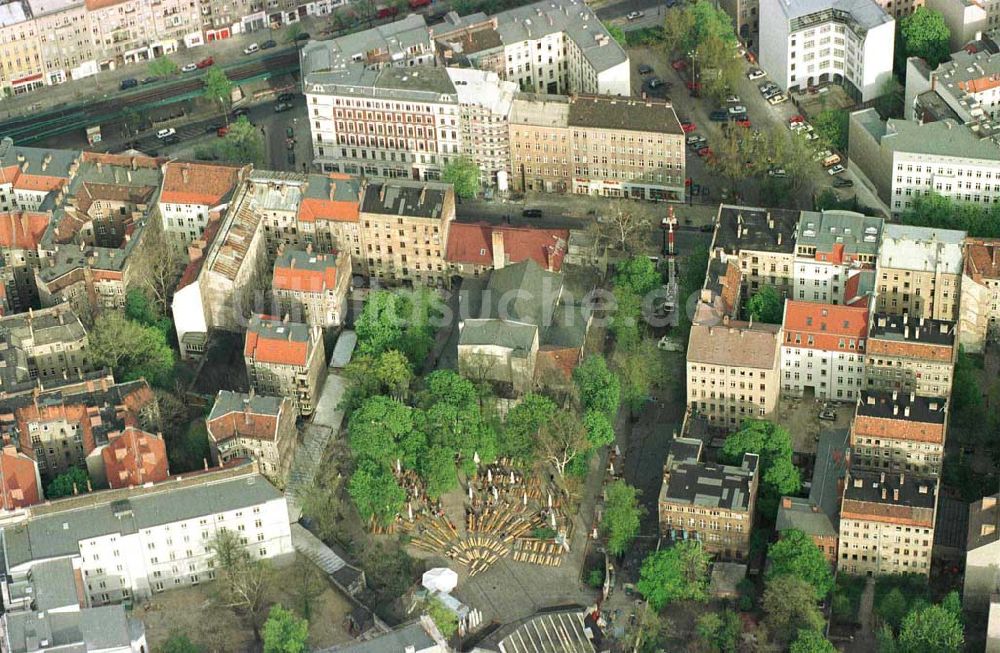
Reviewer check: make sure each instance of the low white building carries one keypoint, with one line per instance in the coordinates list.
(809, 42)
(823, 352)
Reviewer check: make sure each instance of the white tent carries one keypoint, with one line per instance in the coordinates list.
(440, 579)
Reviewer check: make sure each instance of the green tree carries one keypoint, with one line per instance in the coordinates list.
(438, 469)
(931, 629)
(924, 34)
(711, 20)
(638, 274)
(218, 90)
(562, 439)
(132, 350)
(243, 143)
(789, 604)
(162, 67)
(720, 631)
(73, 481)
(622, 512)
(599, 430)
(617, 33)
(178, 643)
(445, 620)
(397, 320)
(380, 431)
(130, 120)
(893, 607)
(638, 369)
(810, 641)
(598, 386)
(293, 32)
(626, 325)
(766, 306)
(795, 554)
(376, 493)
(462, 173)
(832, 125)
(651, 631)
(774, 446)
(678, 30)
(392, 369)
(679, 573)
(284, 632)
(449, 387)
(518, 436)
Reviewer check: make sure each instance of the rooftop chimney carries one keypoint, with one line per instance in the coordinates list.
(786, 502)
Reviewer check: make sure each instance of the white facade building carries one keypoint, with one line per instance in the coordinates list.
(835, 255)
(484, 104)
(823, 352)
(809, 42)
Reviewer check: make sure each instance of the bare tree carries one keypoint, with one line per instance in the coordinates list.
(242, 578)
(625, 225)
(307, 585)
(159, 265)
(562, 439)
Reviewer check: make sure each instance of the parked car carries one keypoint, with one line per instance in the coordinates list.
(688, 127)
(165, 133)
(634, 15)
(719, 115)
(777, 98)
(241, 113)
(251, 49)
(386, 12)
(268, 44)
(738, 109)
(835, 170)
(222, 131)
(205, 63)
(149, 80)
(280, 107)
(654, 82)
(416, 4)
(189, 68)
(645, 69)
(744, 123)
(705, 152)
(304, 36)
(531, 213)
(828, 415)
(831, 160)
(733, 99)
(693, 138)
(796, 118)
(822, 154)
(286, 97)
(777, 173)
(213, 127)
(755, 73)
(289, 132)
(128, 83)
(840, 182)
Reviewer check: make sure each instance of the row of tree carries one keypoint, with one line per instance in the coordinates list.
(940, 212)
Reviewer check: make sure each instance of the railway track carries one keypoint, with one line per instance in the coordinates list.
(46, 124)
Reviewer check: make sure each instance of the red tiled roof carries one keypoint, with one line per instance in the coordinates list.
(303, 280)
(925, 351)
(244, 424)
(312, 209)
(194, 267)
(897, 429)
(890, 513)
(18, 480)
(828, 324)
(22, 229)
(198, 183)
(134, 457)
(473, 244)
(39, 182)
(982, 259)
(279, 351)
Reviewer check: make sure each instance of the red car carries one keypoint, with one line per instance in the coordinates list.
(221, 131)
(206, 62)
(694, 86)
(687, 182)
(705, 152)
(795, 119)
(688, 127)
(679, 64)
(414, 4)
(743, 123)
(386, 12)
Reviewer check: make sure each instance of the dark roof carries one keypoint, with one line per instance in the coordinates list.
(623, 113)
(406, 198)
(951, 524)
(712, 485)
(890, 405)
(684, 450)
(746, 227)
(864, 485)
(830, 468)
(912, 329)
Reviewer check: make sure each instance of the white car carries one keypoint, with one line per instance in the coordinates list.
(189, 68)
(777, 172)
(733, 99)
(634, 15)
(819, 156)
(166, 133)
(835, 170)
(250, 49)
(798, 126)
(737, 110)
(755, 73)
(777, 98)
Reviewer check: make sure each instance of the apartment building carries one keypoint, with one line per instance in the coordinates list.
(285, 359)
(29, 174)
(405, 225)
(746, 20)
(710, 503)
(887, 523)
(20, 482)
(131, 458)
(256, 427)
(191, 192)
(131, 543)
(68, 51)
(920, 272)
(803, 515)
(899, 432)
(484, 103)
(733, 371)
(20, 234)
(823, 353)
(762, 242)
(979, 308)
(844, 42)
(910, 354)
(52, 343)
(628, 148)
(540, 149)
(20, 51)
(965, 86)
(901, 160)
(312, 288)
(982, 576)
(835, 256)
(474, 248)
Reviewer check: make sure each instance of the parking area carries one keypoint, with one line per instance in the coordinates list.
(801, 416)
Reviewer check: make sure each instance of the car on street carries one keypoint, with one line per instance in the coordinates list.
(835, 170)
(828, 415)
(733, 99)
(280, 107)
(222, 131)
(149, 80)
(213, 127)
(797, 126)
(764, 87)
(268, 44)
(736, 110)
(286, 97)
(796, 118)
(634, 15)
(822, 154)
(755, 73)
(777, 173)
(128, 83)
(645, 69)
(189, 68)
(304, 36)
(251, 49)
(744, 123)
(688, 127)
(531, 213)
(840, 182)
(777, 98)
(809, 133)
(831, 160)
(705, 152)
(719, 115)
(770, 93)
(654, 82)
(205, 63)
(241, 112)
(165, 133)
(679, 64)
(694, 138)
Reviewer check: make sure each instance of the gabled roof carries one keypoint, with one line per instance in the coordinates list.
(18, 480)
(830, 326)
(270, 340)
(236, 414)
(295, 270)
(207, 184)
(473, 244)
(134, 457)
(22, 229)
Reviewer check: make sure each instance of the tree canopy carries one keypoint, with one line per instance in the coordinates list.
(243, 143)
(810, 641)
(795, 554)
(444, 619)
(720, 631)
(284, 632)
(924, 34)
(832, 126)
(523, 423)
(934, 210)
(598, 386)
(218, 89)
(462, 173)
(679, 573)
(162, 67)
(773, 444)
(931, 629)
(766, 306)
(617, 33)
(622, 512)
(397, 320)
(65, 484)
(132, 350)
(790, 605)
(638, 274)
(178, 642)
